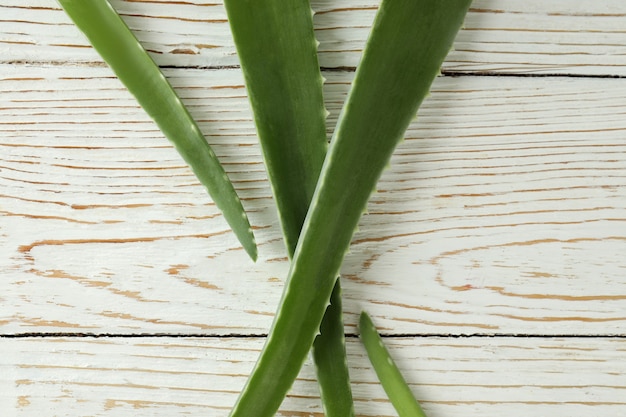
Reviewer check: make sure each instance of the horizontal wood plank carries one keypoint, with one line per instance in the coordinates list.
(487, 377)
(502, 213)
(507, 36)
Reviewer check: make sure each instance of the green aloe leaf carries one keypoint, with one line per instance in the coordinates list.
(388, 373)
(408, 43)
(278, 54)
(329, 354)
(119, 48)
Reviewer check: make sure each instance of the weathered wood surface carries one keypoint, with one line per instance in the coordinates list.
(503, 214)
(488, 377)
(504, 36)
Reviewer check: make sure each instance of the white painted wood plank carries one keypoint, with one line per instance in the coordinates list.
(190, 377)
(503, 212)
(504, 36)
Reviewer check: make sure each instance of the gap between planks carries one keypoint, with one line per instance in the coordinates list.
(348, 336)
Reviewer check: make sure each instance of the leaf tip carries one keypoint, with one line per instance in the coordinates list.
(250, 246)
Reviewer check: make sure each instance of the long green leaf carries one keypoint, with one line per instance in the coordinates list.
(388, 373)
(119, 48)
(278, 53)
(329, 354)
(406, 48)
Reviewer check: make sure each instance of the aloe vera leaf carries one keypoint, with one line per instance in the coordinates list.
(329, 354)
(278, 53)
(388, 373)
(408, 43)
(119, 48)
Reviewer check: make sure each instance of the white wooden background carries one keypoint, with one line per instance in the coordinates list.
(492, 257)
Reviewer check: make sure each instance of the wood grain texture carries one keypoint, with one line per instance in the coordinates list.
(504, 36)
(503, 212)
(154, 377)
(499, 228)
